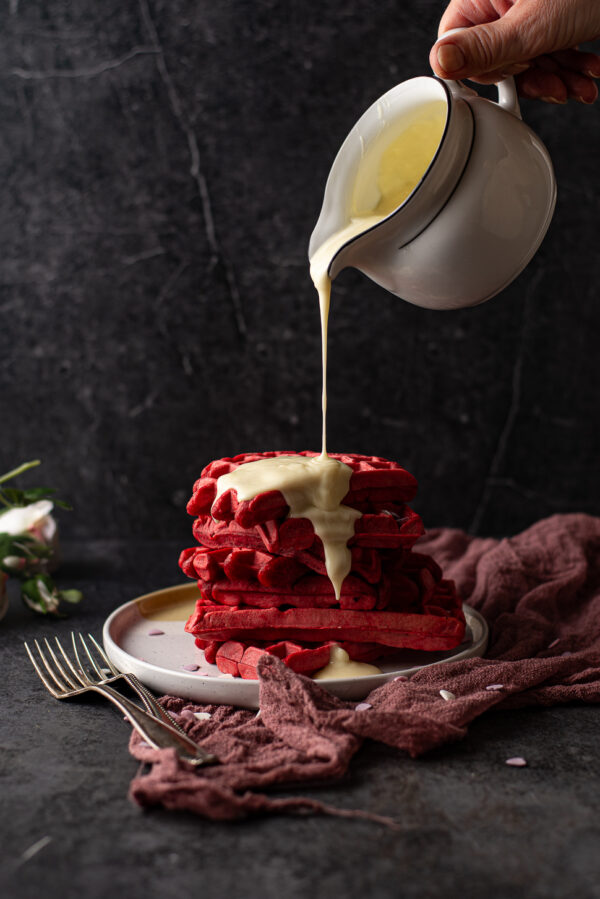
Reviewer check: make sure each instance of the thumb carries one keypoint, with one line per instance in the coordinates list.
(480, 49)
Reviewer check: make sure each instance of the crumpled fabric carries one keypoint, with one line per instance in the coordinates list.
(540, 594)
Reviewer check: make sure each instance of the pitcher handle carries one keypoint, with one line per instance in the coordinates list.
(507, 96)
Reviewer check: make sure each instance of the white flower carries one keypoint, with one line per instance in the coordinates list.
(15, 563)
(34, 519)
(51, 599)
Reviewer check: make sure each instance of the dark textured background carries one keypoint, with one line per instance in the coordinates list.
(162, 167)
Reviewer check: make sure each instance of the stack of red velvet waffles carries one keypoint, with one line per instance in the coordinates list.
(264, 588)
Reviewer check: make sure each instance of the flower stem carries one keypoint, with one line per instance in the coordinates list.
(16, 471)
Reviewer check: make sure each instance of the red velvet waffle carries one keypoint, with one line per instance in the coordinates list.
(372, 481)
(268, 569)
(264, 588)
(380, 530)
(440, 626)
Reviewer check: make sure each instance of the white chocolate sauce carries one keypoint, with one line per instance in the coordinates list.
(165, 609)
(314, 487)
(319, 272)
(400, 168)
(340, 665)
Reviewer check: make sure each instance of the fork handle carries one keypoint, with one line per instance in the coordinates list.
(153, 707)
(158, 734)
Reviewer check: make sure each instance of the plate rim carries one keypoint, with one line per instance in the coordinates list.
(248, 689)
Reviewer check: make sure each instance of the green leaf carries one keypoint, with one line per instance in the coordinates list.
(6, 546)
(72, 596)
(13, 496)
(33, 494)
(31, 548)
(41, 595)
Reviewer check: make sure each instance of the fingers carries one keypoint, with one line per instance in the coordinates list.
(579, 87)
(556, 87)
(490, 50)
(479, 50)
(549, 79)
(554, 77)
(540, 85)
(500, 74)
(448, 60)
(586, 63)
(537, 26)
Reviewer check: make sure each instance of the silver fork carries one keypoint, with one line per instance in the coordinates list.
(152, 706)
(71, 679)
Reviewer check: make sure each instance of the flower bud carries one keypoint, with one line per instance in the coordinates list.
(15, 563)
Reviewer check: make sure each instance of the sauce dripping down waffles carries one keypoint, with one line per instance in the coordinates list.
(264, 585)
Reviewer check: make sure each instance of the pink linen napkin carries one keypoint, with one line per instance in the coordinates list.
(540, 594)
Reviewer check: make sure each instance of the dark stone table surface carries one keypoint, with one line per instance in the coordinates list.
(470, 825)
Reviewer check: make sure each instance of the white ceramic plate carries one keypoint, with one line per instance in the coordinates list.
(164, 660)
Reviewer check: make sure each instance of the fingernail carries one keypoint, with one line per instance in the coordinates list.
(450, 58)
(553, 100)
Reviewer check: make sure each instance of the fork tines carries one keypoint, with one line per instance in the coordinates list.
(63, 679)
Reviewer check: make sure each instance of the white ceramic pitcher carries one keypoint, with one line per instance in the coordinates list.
(475, 219)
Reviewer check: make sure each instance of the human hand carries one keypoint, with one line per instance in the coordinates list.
(535, 40)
